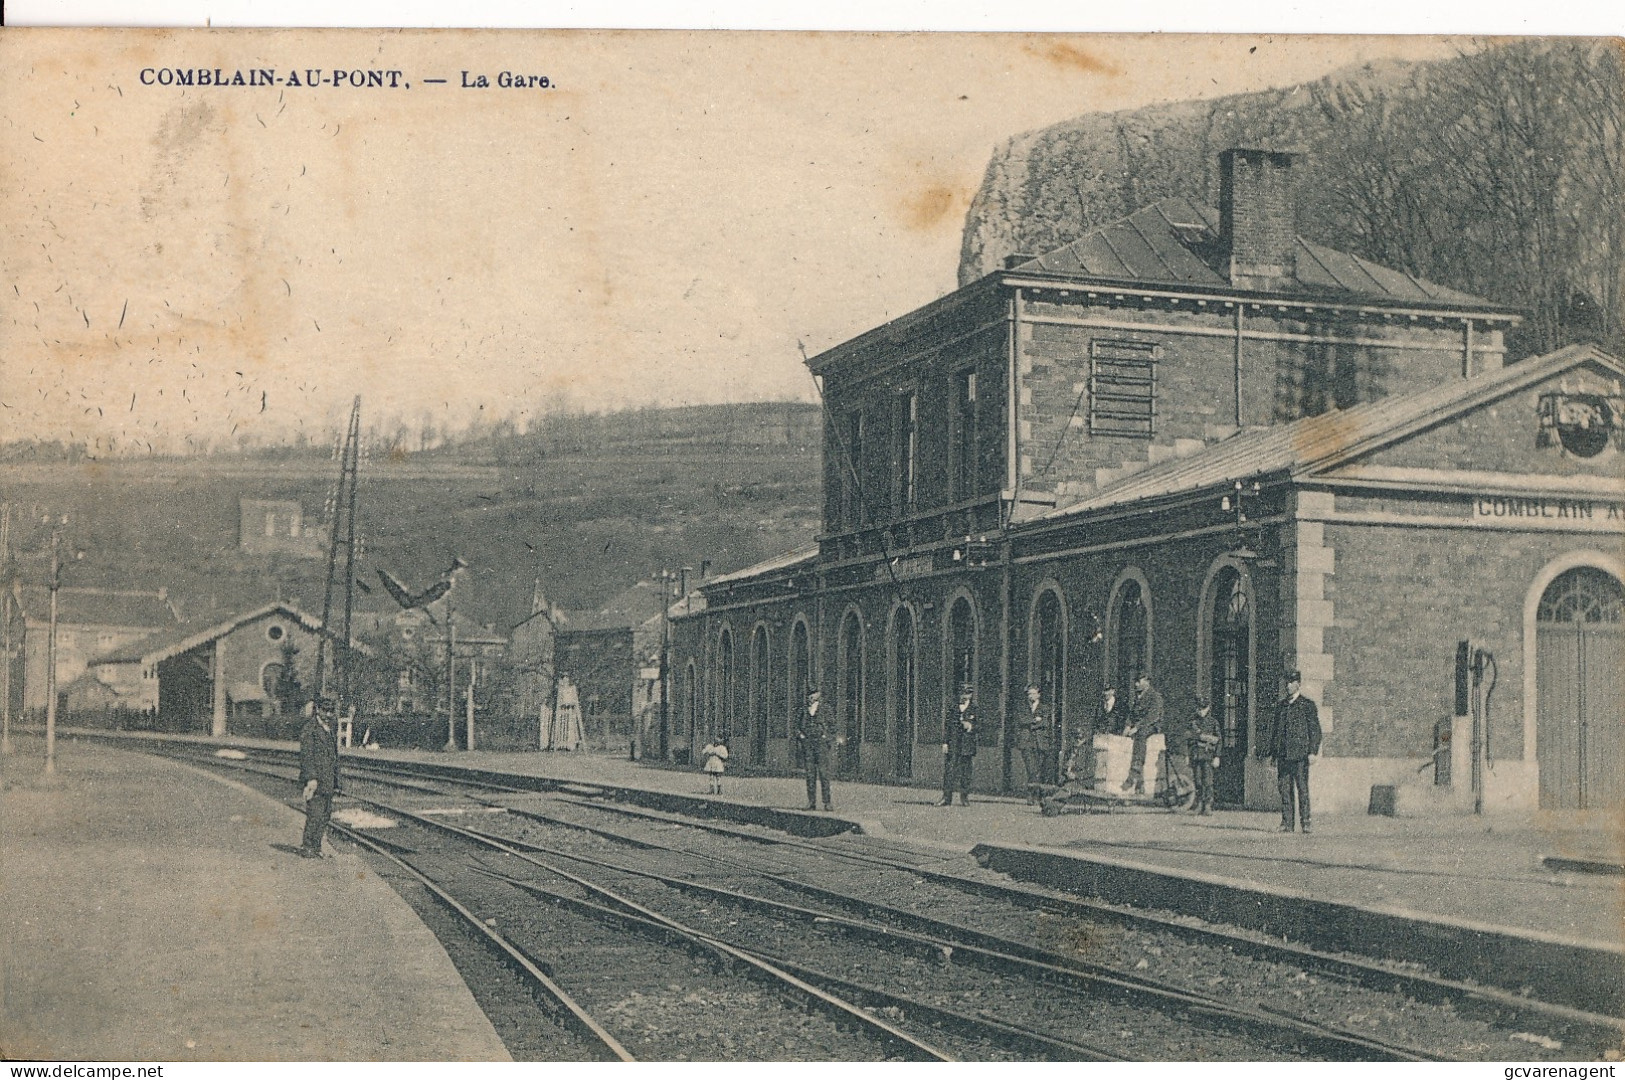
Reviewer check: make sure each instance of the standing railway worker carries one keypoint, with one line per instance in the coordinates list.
(1035, 740)
(1180, 734)
(818, 739)
(1294, 743)
(319, 772)
(959, 748)
(1144, 721)
(1204, 753)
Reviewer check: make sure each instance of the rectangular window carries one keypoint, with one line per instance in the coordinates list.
(1123, 387)
(907, 429)
(852, 471)
(964, 449)
(270, 524)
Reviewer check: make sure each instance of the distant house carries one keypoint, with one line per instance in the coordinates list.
(278, 527)
(244, 675)
(607, 653)
(414, 642)
(530, 656)
(89, 623)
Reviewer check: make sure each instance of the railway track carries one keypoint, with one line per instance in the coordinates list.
(810, 913)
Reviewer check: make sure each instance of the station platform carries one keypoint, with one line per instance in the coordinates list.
(1483, 870)
(1498, 899)
(147, 913)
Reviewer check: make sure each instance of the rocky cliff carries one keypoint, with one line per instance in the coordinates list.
(1498, 173)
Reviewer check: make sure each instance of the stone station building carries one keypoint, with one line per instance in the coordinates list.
(1194, 442)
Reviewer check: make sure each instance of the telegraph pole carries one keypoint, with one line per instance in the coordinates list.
(50, 650)
(451, 679)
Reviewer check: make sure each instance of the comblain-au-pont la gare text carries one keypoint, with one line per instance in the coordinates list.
(356, 78)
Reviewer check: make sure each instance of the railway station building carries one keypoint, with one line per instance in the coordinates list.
(1193, 443)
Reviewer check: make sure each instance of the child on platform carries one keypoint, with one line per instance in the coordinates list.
(715, 757)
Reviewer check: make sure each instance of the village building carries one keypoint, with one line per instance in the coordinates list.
(90, 622)
(249, 674)
(413, 643)
(606, 654)
(278, 527)
(1194, 444)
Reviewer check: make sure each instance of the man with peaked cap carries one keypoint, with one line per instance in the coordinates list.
(818, 739)
(1294, 743)
(958, 747)
(319, 772)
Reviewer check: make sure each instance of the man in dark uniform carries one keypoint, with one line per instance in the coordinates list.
(1204, 753)
(958, 748)
(1080, 763)
(1036, 743)
(1180, 732)
(818, 739)
(1294, 742)
(1144, 721)
(319, 772)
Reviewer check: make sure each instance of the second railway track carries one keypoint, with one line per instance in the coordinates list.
(953, 970)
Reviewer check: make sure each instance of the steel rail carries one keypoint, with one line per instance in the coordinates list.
(1488, 1003)
(1026, 959)
(942, 933)
(1010, 1035)
(1491, 1004)
(917, 1048)
(512, 952)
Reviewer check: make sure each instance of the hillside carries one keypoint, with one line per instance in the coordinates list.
(588, 505)
(1499, 173)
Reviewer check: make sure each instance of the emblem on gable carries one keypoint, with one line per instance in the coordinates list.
(1583, 424)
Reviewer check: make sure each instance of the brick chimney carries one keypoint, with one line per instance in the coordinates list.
(1258, 214)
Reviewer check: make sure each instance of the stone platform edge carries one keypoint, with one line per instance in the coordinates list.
(1582, 974)
(795, 822)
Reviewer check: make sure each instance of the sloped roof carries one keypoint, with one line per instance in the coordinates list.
(629, 608)
(100, 607)
(1176, 242)
(767, 566)
(169, 643)
(1318, 442)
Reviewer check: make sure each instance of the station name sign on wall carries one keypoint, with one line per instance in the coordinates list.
(1551, 509)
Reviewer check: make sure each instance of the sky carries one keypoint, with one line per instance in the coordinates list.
(667, 223)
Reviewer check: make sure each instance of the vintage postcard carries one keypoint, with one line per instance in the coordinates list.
(711, 546)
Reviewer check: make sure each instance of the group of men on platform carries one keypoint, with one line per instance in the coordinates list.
(1191, 740)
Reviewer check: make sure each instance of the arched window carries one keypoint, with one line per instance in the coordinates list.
(723, 722)
(1128, 640)
(850, 688)
(1048, 655)
(761, 692)
(961, 647)
(1582, 595)
(903, 694)
(1230, 676)
(800, 681)
(691, 708)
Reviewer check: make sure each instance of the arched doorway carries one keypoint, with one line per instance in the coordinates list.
(723, 722)
(1230, 677)
(1048, 666)
(1579, 674)
(800, 681)
(691, 710)
(961, 648)
(904, 692)
(760, 694)
(850, 691)
(1128, 637)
